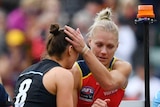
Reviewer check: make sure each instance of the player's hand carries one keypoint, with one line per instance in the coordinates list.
(76, 40)
(100, 103)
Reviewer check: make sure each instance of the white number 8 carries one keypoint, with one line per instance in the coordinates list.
(21, 96)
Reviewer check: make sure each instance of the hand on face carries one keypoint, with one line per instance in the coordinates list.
(76, 40)
(100, 103)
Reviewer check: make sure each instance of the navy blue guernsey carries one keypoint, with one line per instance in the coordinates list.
(29, 89)
(4, 98)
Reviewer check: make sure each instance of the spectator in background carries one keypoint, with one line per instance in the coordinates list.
(72, 6)
(156, 100)
(18, 57)
(20, 17)
(9, 5)
(24, 18)
(5, 100)
(127, 11)
(123, 16)
(127, 42)
(3, 47)
(135, 89)
(53, 8)
(37, 30)
(4, 60)
(91, 8)
(113, 4)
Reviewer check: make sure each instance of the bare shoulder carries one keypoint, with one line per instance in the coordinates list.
(57, 76)
(122, 65)
(61, 72)
(63, 78)
(58, 72)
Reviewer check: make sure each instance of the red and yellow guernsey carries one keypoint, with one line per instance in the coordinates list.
(91, 90)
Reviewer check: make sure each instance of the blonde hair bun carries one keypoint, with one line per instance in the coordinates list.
(105, 14)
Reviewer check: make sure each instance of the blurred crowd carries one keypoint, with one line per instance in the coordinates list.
(24, 25)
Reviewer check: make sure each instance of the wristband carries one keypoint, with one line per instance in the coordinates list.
(85, 49)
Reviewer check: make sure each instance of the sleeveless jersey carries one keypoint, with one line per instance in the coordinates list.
(91, 90)
(30, 91)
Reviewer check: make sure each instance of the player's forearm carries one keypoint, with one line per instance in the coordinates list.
(98, 70)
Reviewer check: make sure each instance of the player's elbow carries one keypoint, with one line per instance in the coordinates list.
(112, 85)
(107, 86)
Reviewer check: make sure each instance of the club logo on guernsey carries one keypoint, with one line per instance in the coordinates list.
(87, 93)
